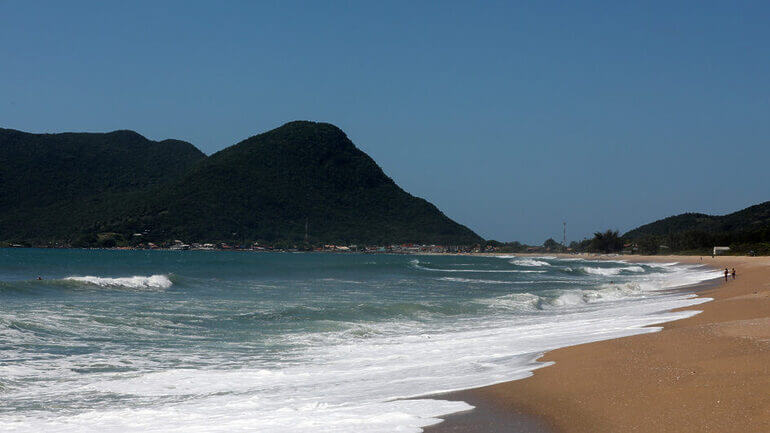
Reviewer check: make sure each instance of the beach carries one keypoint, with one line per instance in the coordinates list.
(706, 373)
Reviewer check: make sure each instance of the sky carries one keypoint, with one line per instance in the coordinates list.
(511, 117)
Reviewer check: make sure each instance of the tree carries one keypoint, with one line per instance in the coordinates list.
(86, 240)
(582, 246)
(551, 244)
(649, 245)
(607, 242)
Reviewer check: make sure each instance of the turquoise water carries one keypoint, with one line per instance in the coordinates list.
(273, 342)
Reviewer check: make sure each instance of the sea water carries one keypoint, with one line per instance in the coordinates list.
(210, 341)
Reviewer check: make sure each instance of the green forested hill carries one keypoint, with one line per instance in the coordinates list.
(744, 230)
(265, 188)
(43, 169)
(672, 224)
(752, 218)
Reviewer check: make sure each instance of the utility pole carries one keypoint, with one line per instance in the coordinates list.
(564, 238)
(306, 219)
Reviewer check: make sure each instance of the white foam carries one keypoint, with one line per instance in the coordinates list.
(416, 264)
(514, 301)
(662, 265)
(601, 271)
(486, 271)
(135, 282)
(347, 387)
(569, 298)
(611, 271)
(529, 262)
(473, 280)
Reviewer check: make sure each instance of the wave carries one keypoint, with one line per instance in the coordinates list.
(337, 280)
(153, 282)
(473, 280)
(565, 298)
(515, 301)
(19, 287)
(416, 264)
(529, 262)
(611, 271)
(39, 287)
(512, 256)
(350, 312)
(662, 265)
(607, 292)
(510, 283)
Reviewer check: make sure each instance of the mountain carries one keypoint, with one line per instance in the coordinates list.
(53, 186)
(745, 232)
(269, 187)
(751, 219)
(42, 169)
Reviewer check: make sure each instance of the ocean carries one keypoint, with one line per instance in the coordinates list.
(214, 341)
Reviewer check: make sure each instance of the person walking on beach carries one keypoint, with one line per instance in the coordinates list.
(726, 274)
(733, 273)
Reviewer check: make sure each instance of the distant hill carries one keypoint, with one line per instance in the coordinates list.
(266, 188)
(42, 169)
(745, 231)
(752, 218)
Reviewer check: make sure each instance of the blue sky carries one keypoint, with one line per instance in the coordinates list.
(511, 117)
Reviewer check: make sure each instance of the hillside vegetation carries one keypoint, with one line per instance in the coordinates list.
(744, 231)
(70, 188)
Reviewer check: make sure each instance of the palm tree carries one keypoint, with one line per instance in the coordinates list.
(607, 242)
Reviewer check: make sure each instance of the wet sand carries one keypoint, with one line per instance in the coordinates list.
(706, 373)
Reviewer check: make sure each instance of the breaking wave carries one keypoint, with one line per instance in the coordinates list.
(416, 264)
(612, 271)
(529, 262)
(473, 280)
(566, 298)
(153, 282)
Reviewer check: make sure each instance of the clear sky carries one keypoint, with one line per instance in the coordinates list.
(510, 116)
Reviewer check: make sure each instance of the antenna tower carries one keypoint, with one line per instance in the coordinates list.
(564, 238)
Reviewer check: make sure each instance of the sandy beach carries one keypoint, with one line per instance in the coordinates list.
(706, 373)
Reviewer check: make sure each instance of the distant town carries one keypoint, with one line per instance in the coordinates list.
(405, 248)
(179, 245)
(607, 242)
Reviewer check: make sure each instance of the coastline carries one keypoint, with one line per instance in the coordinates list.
(708, 372)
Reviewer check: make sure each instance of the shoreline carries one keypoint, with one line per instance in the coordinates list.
(708, 372)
